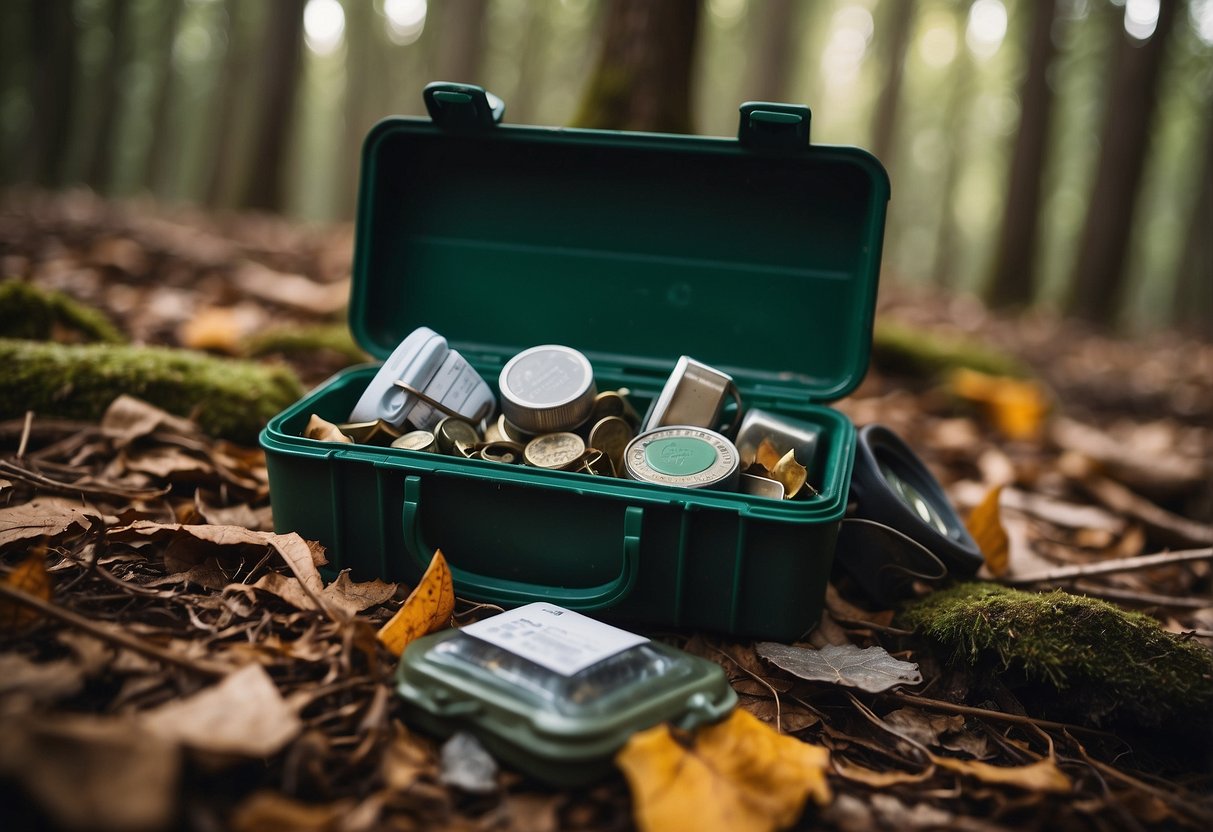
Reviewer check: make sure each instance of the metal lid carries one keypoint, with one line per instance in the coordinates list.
(683, 455)
(547, 389)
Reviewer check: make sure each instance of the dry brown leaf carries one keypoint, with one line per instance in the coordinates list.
(292, 290)
(985, 524)
(428, 607)
(737, 775)
(871, 668)
(39, 681)
(1017, 408)
(31, 578)
(243, 714)
(128, 418)
(49, 517)
(1041, 776)
(274, 812)
(221, 328)
(90, 772)
(352, 597)
(324, 431)
(791, 717)
(405, 760)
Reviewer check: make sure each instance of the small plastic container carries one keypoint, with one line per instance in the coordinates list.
(538, 706)
(425, 363)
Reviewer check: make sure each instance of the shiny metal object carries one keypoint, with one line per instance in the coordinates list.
(376, 432)
(611, 435)
(510, 453)
(547, 389)
(554, 450)
(417, 440)
(760, 487)
(694, 394)
(455, 434)
(683, 455)
(785, 433)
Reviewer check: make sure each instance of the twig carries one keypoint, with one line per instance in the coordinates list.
(1109, 567)
(761, 681)
(111, 491)
(1167, 526)
(968, 710)
(25, 430)
(856, 623)
(130, 642)
(1150, 599)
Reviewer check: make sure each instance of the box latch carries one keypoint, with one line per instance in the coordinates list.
(769, 126)
(462, 106)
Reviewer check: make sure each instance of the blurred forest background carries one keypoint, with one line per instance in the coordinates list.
(1047, 153)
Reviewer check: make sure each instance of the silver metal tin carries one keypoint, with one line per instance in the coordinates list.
(694, 394)
(683, 455)
(547, 389)
(786, 434)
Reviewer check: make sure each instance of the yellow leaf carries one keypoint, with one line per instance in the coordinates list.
(738, 775)
(985, 524)
(1041, 776)
(428, 608)
(1016, 407)
(766, 455)
(31, 578)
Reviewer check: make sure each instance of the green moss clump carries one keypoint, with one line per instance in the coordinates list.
(917, 352)
(1113, 664)
(304, 339)
(228, 398)
(29, 312)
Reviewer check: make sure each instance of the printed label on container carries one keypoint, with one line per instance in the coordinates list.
(561, 640)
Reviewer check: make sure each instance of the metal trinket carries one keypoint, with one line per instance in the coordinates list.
(683, 455)
(554, 450)
(547, 389)
(695, 394)
(417, 440)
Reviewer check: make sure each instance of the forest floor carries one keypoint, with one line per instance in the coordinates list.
(151, 544)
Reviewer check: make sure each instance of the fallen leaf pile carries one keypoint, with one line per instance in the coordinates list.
(169, 661)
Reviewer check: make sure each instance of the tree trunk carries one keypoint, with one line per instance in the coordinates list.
(360, 45)
(282, 49)
(1193, 310)
(884, 126)
(1014, 277)
(52, 42)
(533, 51)
(461, 40)
(642, 80)
(113, 86)
(224, 118)
(154, 160)
(773, 53)
(1098, 283)
(956, 116)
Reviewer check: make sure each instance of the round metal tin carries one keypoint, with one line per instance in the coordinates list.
(683, 455)
(547, 389)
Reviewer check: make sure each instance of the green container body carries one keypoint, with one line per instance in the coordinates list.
(758, 255)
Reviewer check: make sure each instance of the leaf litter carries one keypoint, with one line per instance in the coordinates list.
(175, 606)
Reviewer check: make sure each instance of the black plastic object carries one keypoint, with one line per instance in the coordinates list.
(923, 537)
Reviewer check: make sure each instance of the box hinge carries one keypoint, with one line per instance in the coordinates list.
(462, 106)
(769, 126)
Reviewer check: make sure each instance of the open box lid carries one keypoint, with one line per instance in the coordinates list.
(758, 255)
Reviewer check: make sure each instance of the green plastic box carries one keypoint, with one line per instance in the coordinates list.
(758, 255)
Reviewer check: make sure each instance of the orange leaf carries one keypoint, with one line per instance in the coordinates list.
(31, 578)
(1041, 776)
(738, 775)
(1015, 407)
(323, 430)
(428, 608)
(985, 524)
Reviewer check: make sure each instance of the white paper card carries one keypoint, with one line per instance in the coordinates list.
(561, 640)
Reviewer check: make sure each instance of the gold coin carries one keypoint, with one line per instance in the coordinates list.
(416, 440)
(512, 432)
(611, 435)
(492, 433)
(452, 431)
(607, 403)
(554, 450)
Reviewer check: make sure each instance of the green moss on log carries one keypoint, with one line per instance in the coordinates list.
(29, 312)
(1111, 664)
(306, 339)
(227, 398)
(904, 349)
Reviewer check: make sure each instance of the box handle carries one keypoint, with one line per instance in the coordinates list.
(769, 126)
(462, 106)
(513, 593)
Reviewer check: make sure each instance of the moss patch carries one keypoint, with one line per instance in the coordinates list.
(294, 340)
(1111, 664)
(29, 312)
(227, 398)
(918, 352)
